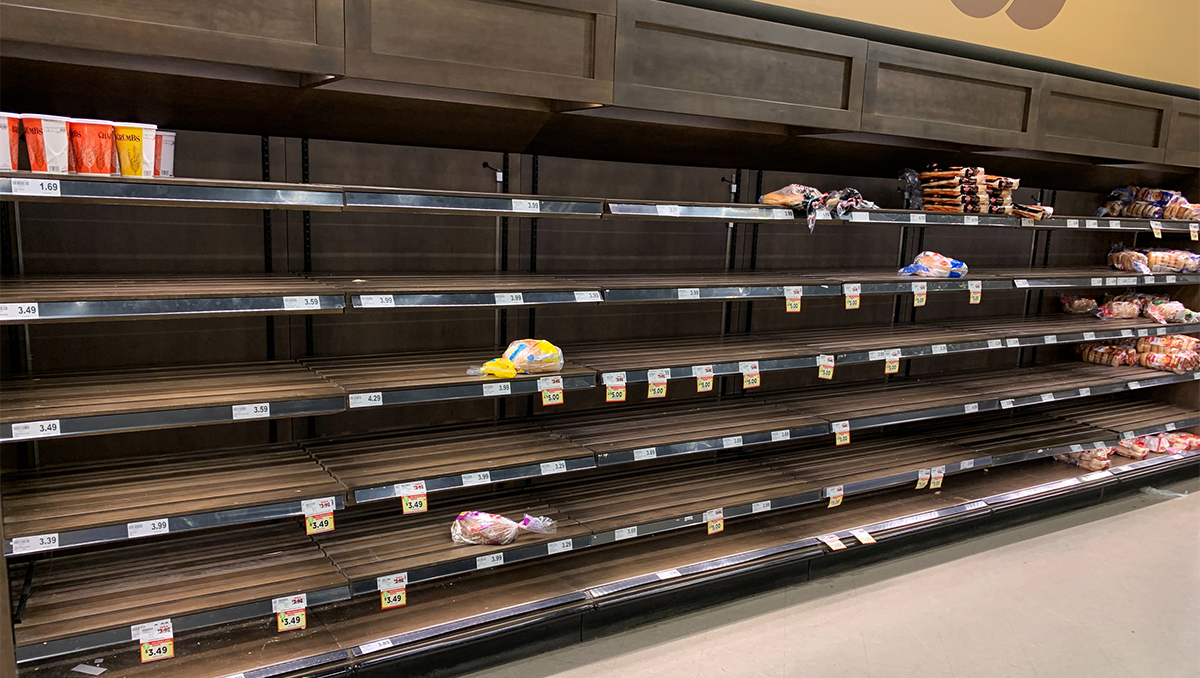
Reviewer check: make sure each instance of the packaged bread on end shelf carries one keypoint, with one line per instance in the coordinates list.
(934, 265)
(477, 527)
(1088, 460)
(523, 356)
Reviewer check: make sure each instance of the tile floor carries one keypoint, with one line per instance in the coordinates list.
(1112, 590)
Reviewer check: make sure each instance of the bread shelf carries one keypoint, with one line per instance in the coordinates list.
(439, 290)
(366, 199)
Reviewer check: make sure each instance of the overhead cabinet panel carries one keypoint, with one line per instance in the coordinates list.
(552, 49)
(1094, 119)
(920, 94)
(303, 36)
(693, 61)
(1183, 133)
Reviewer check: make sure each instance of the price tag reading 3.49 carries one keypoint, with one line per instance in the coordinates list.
(393, 590)
(157, 640)
(412, 497)
(290, 612)
(318, 515)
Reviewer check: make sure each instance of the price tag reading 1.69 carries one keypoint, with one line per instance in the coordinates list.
(50, 187)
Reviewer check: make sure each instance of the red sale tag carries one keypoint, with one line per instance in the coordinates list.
(658, 383)
(862, 536)
(835, 495)
(920, 290)
(832, 541)
(750, 374)
(852, 292)
(922, 478)
(976, 288)
(716, 520)
(825, 364)
(794, 295)
(841, 432)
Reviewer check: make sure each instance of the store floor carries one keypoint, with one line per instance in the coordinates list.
(1112, 590)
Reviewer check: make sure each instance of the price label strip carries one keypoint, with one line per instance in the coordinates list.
(704, 378)
(301, 303)
(147, 528)
(862, 536)
(290, 612)
(552, 390)
(614, 387)
(976, 289)
(825, 365)
(920, 293)
(716, 520)
(252, 411)
(832, 541)
(393, 590)
(853, 292)
(26, 311)
(793, 295)
(935, 477)
(835, 495)
(157, 640)
(841, 432)
(45, 187)
(318, 515)
(750, 375)
(37, 429)
(413, 497)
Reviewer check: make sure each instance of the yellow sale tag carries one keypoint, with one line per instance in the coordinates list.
(393, 598)
(843, 438)
(922, 478)
(751, 380)
(614, 394)
(704, 384)
(158, 649)
(852, 292)
(862, 536)
(657, 390)
(1156, 226)
(835, 496)
(715, 526)
(976, 297)
(892, 366)
(1194, 229)
(319, 523)
(825, 365)
(919, 290)
(291, 621)
(976, 288)
(414, 503)
(841, 432)
(919, 299)
(552, 396)
(793, 305)
(935, 481)
(832, 541)
(853, 302)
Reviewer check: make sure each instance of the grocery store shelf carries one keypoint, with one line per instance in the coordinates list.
(1113, 223)
(374, 467)
(640, 209)
(368, 199)
(635, 287)
(196, 580)
(1129, 419)
(379, 380)
(128, 498)
(909, 218)
(436, 290)
(34, 299)
(136, 399)
(169, 192)
(1087, 277)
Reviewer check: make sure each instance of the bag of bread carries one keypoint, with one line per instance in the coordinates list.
(1123, 259)
(1088, 460)
(794, 195)
(1181, 441)
(1079, 305)
(1166, 312)
(1179, 362)
(934, 265)
(477, 527)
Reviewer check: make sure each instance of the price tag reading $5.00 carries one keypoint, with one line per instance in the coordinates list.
(704, 378)
(658, 383)
(794, 296)
(716, 520)
(853, 293)
(552, 390)
(835, 495)
(825, 365)
(920, 293)
(750, 375)
(614, 387)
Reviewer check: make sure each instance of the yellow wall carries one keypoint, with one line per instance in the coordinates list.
(1153, 39)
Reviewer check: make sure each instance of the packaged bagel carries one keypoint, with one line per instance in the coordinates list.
(1123, 259)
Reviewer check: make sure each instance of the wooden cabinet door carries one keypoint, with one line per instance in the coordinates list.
(1106, 121)
(1183, 133)
(302, 36)
(553, 49)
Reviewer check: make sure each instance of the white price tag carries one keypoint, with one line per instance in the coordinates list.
(1072, 223)
(552, 467)
(1127, 435)
(301, 303)
(1170, 426)
(1077, 448)
(732, 441)
(658, 376)
(547, 383)
(34, 544)
(410, 489)
(1108, 282)
(1012, 342)
(1149, 280)
(782, 214)
(824, 215)
(966, 464)
(392, 582)
(478, 478)
(1160, 331)
(841, 426)
(368, 648)
(252, 411)
(852, 289)
(1085, 392)
(645, 453)
(1194, 230)
(560, 546)
(1133, 385)
(1127, 281)
(1097, 282)
(316, 507)
(613, 378)
(290, 603)
(1170, 280)
(51, 187)
(152, 631)
(916, 218)
(703, 371)
(1026, 222)
(860, 216)
(366, 399)
(509, 298)
(588, 296)
(689, 293)
(36, 429)
(777, 436)
(1047, 397)
(490, 560)
(501, 389)
(1050, 339)
(971, 220)
(526, 205)
(920, 288)
(667, 210)
(939, 349)
(147, 528)
(89, 670)
(1021, 283)
(995, 343)
(760, 507)
(876, 355)
(625, 533)
(1091, 223)
(750, 367)
(1114, 224)
(793, 292)
(1006, 404)
(1142, 333)
(377, 300)
(1126, 333)
(1089, 336)
(971, 408)
(714, 514)
(25, 311)
(667, 574)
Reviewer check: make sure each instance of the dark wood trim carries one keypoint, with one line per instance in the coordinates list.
(87, 31)
(1101, 96)
(1183, 133)
(362, 62)
(636, 54)
(941, 72)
